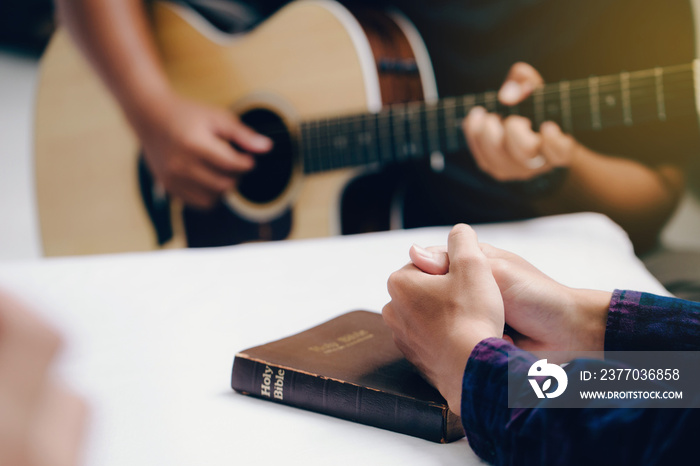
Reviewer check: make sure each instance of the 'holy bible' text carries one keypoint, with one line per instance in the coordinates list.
(272, 388)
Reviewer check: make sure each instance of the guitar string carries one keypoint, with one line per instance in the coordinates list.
(333, 160)
(328, 162)
(577, 102)
(322, 143)
(548, 90)
(384, 151)
(316, 136)
(386, 140)
(670, 96)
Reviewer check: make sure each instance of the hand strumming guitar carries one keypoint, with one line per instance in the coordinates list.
(188, 146)
(196, 152)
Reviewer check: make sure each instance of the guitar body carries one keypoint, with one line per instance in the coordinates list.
(309, 60)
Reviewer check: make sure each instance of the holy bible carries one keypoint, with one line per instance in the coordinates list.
(348, 367)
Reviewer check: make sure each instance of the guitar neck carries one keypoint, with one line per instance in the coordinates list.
(420, 129)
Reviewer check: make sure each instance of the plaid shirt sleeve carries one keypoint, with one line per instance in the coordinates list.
(646, 322)
(601, 435)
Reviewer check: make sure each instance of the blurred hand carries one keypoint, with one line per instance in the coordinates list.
(437, 320)
(508, 149)
(188, 148)
(545, 314)
(41, 422)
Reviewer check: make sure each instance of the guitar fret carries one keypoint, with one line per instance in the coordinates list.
(414, 111)
(351, 152)
(538, 101)
(316, 140)
(660, 97)
(350, 156)
(335, 142)
(491, 101)
(322, 145)
(594, 92)
(385, 143)
(359, 148)
(303, 146)
(510, 109)
(398, 130)
(695, 77)
(330, 149)
(340, 143)
(307, 144)
(402, 146)
(580, 97)
(450, 113)
(467, 102)
(432, 126)
(610, 96)
(564, 92)
(442, 130)
(320, 148)
(626, 105)
(371, 132)
(680, 95)
(315, 133)
(526, 108)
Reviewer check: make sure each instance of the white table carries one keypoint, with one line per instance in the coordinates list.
(150, 338)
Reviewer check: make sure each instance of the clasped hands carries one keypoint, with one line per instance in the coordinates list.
(448, 299)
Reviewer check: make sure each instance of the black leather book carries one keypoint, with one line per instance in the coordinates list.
(350, 368)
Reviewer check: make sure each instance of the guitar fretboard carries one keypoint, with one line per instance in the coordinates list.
(418, 129)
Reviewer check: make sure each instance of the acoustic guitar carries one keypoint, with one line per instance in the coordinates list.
(339, 92)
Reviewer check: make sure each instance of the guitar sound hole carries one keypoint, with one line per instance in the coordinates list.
(273, 170)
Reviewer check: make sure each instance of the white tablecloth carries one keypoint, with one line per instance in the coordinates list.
(150, 338)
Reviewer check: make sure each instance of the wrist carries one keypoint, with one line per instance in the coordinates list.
(451, 386)
(461, 349)
(589, 315)
(147, 107)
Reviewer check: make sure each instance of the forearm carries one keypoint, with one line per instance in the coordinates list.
(637, 197)
(115, 36)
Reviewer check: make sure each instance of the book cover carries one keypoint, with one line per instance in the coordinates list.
(348, 367)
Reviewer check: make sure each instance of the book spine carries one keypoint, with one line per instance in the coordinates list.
(345, 400)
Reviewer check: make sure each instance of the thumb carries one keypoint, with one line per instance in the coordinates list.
(463, 250)
(522, 79)
(432, 262)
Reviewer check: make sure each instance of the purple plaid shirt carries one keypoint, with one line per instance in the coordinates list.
(502, 435)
